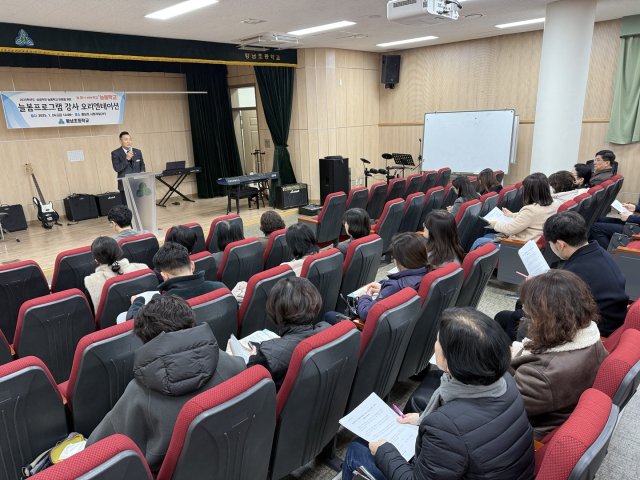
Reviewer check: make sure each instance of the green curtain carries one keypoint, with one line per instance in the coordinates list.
(624, 126)
(214, 143)
(276, 90)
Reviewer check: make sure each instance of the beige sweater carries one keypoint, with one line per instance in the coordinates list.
(96, 280)
(527, 223)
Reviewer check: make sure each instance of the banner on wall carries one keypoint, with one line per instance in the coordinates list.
(62, 109)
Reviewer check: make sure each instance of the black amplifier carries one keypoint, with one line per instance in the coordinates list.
(14, 220)
(107, 200)
(290, 196)
(80, 207)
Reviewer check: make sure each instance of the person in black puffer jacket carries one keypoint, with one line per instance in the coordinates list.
(475, 425)
(293, 305)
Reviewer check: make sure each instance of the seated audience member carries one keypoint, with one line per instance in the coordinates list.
(302, 243)
(357, 225)
(563, 187)
(185, 236)
(270, 222)
(606, 227)
(120, 219)
(602, 167)
(110, 263)
(443, 240)
(582, 175)
(465, 191)
(562, 351)
(487, 182)
(176, 362)
(227, 233)
(470, 421)
(527, 223)
(293, 305)
(176, 269)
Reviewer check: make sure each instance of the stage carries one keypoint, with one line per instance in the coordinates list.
(41, 245)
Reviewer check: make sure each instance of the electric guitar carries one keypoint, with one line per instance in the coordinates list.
(46, 213)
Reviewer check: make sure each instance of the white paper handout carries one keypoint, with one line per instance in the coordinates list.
(618, 206)
(497, 215)
(241, 348)
(361, 291)
(374, 420)
(532, 259)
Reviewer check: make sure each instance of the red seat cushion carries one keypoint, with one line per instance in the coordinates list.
(376, 227)
(616, 366)
(429, 278)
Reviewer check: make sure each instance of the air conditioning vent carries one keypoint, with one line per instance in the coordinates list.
(404, 3)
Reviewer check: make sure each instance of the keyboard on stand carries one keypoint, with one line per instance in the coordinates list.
(236, 191)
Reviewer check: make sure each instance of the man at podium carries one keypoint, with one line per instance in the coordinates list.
(126, 160)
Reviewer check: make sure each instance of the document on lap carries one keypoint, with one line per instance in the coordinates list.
(618, 206)
(532, 259)
(241, 348)
(497, 216)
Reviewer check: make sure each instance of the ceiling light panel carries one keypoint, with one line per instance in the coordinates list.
(180, 8)
(410, 40)
(518, 24)
(321, 28)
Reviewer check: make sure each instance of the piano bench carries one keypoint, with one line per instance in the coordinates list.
(248, 193)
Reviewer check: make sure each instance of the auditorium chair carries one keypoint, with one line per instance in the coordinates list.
(377, 199)
(327, 225)
(384, 341)
(428, 181)
(478, 265)
(474, 182)
(50, 327)
(140, 249)
(225, 432)
(510, 262)
(313, 397)
(628, 259)
(102, 369)
(205, 262)
(200, 245)
(6, 355)
(578, 446)
(489, 201)
(32, 412)
(432, 201)
(241, 260)
(117, 292)
(19, 282)
(358, 198)
(389, 223)
(499, 175)
(438, 291)
(396, 189)
(360, 266)
(414, 182)
(324, 271)
(219, 310)
(412, 211)
(252, 314)
(631, 321)
(450, 196)
(442, 179)
(466, 220)
(212, 238)
(70, 270)
(619, 373)
(516, 205)
(277, 252)
(506, 197)
(113, 457)
(600, 207)
(585, 207)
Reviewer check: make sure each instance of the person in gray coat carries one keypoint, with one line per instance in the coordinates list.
(177, 362)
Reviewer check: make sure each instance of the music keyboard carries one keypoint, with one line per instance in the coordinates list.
(244, 179)
(179, 171)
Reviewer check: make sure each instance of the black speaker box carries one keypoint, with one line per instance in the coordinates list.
(290, 196)
(14, 220)
(80, 207)
(390, 69)
(334, 176)
(107, 200)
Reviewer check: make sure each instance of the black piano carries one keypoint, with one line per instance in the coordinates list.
(181, 173)
(235, 188)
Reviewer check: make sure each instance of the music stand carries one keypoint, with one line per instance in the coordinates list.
(404, 160)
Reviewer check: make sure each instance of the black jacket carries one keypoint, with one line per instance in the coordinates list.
(189, 286)
(275, 355)
(468, 438)
(124, 166)
(599, 270)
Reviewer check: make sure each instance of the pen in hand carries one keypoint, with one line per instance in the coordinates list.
(399, 412)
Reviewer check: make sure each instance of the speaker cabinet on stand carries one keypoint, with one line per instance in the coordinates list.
(334, 176)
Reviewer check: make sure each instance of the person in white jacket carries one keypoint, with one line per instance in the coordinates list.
(563, 187)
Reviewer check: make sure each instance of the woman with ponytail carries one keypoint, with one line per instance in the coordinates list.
(109, 263)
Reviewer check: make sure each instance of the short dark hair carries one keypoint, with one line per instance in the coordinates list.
(301, 241)
(536, 190)
(172, 258)
(121, 215)
(122, 134)
(162, 314)
(270, 222)
(569, 227)
(183, 235)
(607, 155)
(359, 222)
(228, 232)
(106, 251)
(561, 181)
(410, 250)
(475, 346)
(293, 301)
(583, 171)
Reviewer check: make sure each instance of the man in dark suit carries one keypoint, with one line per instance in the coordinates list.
(126, 160)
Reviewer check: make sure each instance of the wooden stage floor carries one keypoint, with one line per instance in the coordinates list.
(41, 245)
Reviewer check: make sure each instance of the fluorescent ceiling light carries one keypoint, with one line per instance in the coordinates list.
(180, 8)
(400, 42)
(322, 28)
(524, 22)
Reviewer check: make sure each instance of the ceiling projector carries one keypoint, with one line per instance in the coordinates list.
(422, 12)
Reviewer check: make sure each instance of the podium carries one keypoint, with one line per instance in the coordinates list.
(140, 190)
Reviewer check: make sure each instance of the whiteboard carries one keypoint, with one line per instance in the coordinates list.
(468, 141)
